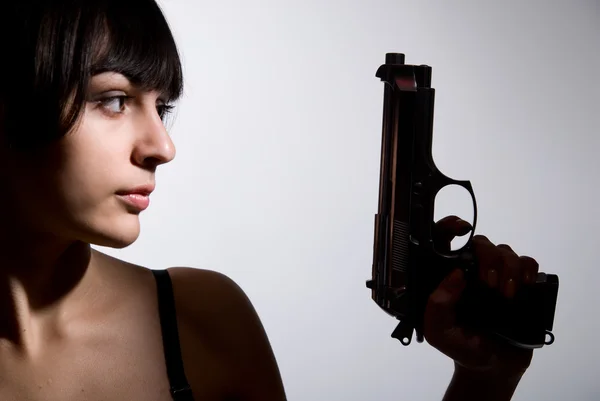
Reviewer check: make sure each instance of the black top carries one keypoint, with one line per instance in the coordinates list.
(180, 389)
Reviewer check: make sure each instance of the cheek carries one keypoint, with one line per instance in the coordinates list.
(90, 166)
(75, 180)
(74, 189)
(86, 183)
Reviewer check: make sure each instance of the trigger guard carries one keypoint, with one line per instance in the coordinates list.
(458, 253)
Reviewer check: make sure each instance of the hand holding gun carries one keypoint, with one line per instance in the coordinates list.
(482, 305)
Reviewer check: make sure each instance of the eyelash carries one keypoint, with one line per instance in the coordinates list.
(163, 110)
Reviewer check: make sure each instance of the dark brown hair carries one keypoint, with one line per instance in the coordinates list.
(52, 48)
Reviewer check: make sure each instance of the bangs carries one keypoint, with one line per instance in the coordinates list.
(135, 41)
(55, 47)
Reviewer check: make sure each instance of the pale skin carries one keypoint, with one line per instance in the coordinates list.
(76, 324)
(79, 325)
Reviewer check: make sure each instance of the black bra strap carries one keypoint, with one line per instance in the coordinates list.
(180, 389)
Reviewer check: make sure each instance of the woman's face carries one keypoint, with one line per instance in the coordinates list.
(70, 190)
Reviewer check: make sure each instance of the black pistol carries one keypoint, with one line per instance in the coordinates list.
(407, 266)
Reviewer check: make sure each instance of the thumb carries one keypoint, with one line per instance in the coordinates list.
(440, 313)
(442, 331)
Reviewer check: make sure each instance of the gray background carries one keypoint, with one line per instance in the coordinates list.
(276, 177)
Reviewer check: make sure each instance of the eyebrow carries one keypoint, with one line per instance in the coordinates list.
(126, 80)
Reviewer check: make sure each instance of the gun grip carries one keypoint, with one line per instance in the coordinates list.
(524, 321)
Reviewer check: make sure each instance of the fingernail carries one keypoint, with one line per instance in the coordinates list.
(510, 288)
(464, 229)
(492, 278)
(462, 222)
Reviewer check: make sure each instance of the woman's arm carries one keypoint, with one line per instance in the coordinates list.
(471, 386)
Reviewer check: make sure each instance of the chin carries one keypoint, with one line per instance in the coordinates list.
(120, 234)
(116, 243)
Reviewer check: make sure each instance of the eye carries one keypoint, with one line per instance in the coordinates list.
(163, 110)
(114, 104)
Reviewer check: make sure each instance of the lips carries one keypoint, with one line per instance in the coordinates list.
(137, 201)
(138, 197)
(143, 190)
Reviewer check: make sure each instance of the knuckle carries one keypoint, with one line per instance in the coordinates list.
(506, 263)
(505, 247)
(480, 238)
(528, 260)
(510, 260)
(529, 263)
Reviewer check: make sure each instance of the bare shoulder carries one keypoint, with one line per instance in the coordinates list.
(208, 294)
(218, 311)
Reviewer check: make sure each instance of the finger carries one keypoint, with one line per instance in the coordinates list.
(440, 329)
(440, 313)
(511, 274)
(489, 259)
(446, 229)
(452, 226)
(529, 268)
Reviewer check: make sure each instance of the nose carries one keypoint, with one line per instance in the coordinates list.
(154, 145)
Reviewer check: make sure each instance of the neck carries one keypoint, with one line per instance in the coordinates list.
(41, 281)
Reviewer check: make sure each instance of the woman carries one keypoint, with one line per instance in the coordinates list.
(85, 87)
